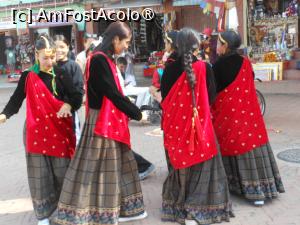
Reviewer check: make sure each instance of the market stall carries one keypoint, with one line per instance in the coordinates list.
(273, 35)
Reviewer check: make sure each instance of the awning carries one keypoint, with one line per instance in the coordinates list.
(186, 2)
(7, 25)
(132, 4)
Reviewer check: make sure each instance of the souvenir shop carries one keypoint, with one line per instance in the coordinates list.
(273, 36)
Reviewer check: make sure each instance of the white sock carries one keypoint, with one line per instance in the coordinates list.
(44, 222)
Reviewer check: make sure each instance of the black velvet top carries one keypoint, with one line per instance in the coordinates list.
(64, 89)
(174, 70)
(226, 69)
(73, 69)
(101, 83)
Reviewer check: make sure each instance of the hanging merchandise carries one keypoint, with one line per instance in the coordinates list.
(217, 8)
(24, 50)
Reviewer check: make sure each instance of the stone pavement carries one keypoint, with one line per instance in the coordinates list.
(282, 119)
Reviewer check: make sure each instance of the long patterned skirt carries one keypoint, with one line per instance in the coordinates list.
(45, 178)
(254, 175)
(197, 193)
(102, 182)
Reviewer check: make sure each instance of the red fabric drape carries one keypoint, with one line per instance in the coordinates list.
(111, 122)
(45, 133)
(188, 143)
(237, 118)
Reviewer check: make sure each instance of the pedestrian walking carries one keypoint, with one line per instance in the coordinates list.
(49, 137)
(102, 185)
(247, 155)
(195, 190)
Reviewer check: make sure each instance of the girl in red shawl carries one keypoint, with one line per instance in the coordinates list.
(196, 190)
(102, 184)
(247, 155)
(48, 135)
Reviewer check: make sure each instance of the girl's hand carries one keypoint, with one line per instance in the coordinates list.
(65, 111)
(2, 118)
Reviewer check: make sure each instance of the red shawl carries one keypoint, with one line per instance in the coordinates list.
(188, 138)
(237, 118)
(111, 122)
(45, 133)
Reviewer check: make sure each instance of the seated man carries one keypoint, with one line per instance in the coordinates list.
(128, 82)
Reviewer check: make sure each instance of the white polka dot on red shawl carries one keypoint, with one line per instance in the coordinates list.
(43, 95)
(62, 154)
(188, 93)
(54, 135)
(53, 147)
(181, 105)
(202, 155)
(37, 119)
(46, 127)
(36, 131)
(44, 151)
(179, 93)
(184, 117)
(121, 121)
(113, 111)
(109, 123)
(44, 139)
(183, 163)
(35, 143)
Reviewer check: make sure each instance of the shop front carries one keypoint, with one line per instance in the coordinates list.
(273, 35)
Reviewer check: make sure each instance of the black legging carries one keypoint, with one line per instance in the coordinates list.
(142, 163)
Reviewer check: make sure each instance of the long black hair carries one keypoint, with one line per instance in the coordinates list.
(188, 41)
(44, 41)
(232, 39)
(61, 37)
(115, 29)
(171, 37)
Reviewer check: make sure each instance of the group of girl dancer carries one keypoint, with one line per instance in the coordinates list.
(214, 134)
